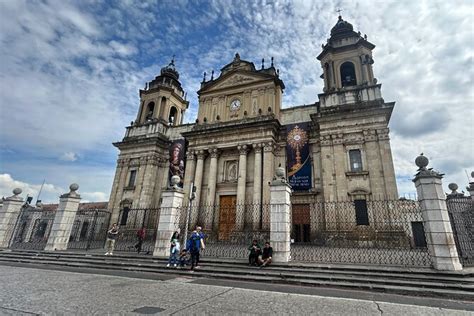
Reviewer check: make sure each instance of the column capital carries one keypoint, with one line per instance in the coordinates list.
(257, 147)
(243, 149)
(214, 152)
(200, 154)
(269, 147)
(190, 155)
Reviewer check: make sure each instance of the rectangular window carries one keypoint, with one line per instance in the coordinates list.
(362, 217)
(131, 179)
(355, 159)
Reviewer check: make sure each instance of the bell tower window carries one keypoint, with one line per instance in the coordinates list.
(348, 76)
(149, 111)
(173, 116)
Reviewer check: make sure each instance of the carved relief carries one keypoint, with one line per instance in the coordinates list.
(231, 171)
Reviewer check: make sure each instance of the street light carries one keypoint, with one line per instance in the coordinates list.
(192, 196)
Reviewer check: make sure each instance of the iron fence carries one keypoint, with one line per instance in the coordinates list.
(359, 231)
(130, 222)
(89, 229)
(461, 214)
(32, 228)
(228, 228)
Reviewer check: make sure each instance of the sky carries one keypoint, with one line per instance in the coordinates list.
(70, 72)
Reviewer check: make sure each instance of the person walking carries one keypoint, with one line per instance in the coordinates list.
(141, 233)
(111, 237)
(174, 249)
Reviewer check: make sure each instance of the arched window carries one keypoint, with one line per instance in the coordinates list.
(348, 75)
(149, 111)
(173, 116)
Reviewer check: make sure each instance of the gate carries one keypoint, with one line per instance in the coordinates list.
(361, 232)
(461, 215)
(32, 228)
(132, 220)
(89, 229)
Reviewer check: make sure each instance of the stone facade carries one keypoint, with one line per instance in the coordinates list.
(239, 138)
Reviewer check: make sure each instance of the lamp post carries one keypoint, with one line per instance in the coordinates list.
(192, 196)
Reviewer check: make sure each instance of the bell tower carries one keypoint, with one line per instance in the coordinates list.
(163, 99)
(346, 58)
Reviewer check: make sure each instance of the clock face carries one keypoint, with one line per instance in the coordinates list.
(235, 105)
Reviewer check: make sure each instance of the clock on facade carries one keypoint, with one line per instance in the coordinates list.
(235, 105)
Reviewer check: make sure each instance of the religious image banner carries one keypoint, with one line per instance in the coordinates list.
(297, 153)
(177, 154)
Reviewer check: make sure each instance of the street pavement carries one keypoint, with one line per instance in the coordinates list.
(31, 291)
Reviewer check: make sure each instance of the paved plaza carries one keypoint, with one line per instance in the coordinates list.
(31, 291)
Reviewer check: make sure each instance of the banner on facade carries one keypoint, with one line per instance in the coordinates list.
(177, 154)
(297, 153)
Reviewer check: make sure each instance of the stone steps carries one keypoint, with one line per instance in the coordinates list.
(402, 281)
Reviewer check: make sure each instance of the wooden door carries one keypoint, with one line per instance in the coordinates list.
(226, 216)
(301, 222)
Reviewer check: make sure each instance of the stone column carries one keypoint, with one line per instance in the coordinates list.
(189, 174)
(241, 184)
(257, 177)
(211, 189)
(198, 184)
(439, 234)
(280, 208)
(172, 200)
(9, 213)
(268, 170)
(64, 219)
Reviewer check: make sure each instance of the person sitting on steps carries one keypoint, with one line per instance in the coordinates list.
(255, 251)
(266, 257)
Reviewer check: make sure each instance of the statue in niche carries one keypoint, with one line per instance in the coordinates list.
(232, 172)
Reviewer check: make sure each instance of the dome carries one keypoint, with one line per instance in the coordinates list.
(170, 70)
(341, 27)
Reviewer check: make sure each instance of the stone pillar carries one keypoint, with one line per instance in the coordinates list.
(64, 219)
(189, 174)
(211, 191)
(9, 213)
(439, 234)
(172, 200)
(198, 184)
(241, 184)
(257, 183)
(268, 170)
(280, 208)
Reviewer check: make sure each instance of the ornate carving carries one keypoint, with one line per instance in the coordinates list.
(257, 147)
(190, 155)
(326, 140)
(214, 152)
(369, 135)
(243, 149)
(383, 134)
(337, 139)
(269, 147)
(201, 154)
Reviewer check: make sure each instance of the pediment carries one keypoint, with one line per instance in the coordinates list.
(235, 79)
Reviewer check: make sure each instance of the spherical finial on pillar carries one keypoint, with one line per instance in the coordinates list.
(280, 172)
(74, 187)
(453, 187)
(421, 161)
(175, 180)
(17, 191)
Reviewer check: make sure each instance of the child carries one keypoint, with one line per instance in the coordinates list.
(183, 258)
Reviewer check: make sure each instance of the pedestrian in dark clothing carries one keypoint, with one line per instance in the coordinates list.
(141, 233)
(255, 251)
(266, 257)
(194, 247)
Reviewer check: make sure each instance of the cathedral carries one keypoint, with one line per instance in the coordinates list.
(336, 149)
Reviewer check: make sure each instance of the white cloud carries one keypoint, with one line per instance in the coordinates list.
(69, 156)
(7, 184)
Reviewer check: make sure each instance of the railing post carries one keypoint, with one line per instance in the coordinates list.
(64, 220)
(280, 208)
(172, 200)
(439, 234)
(9, 213)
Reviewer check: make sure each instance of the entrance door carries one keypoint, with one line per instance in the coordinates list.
(226, 216)
(301, 222)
